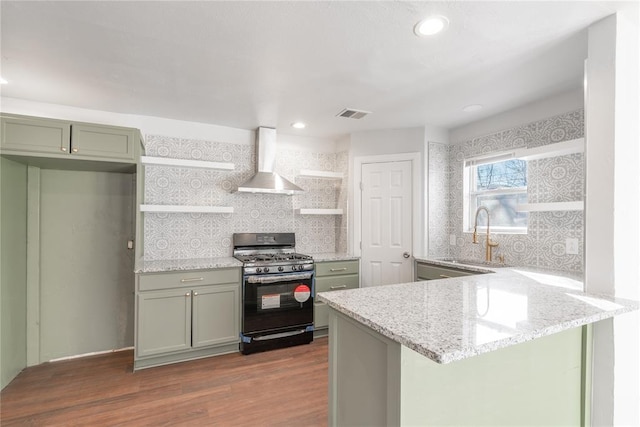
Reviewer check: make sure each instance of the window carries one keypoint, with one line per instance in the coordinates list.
(499, 185)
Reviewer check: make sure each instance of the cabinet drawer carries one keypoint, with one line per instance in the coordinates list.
(335, 268)
(324, 284)
(155, 281)
(430, 272)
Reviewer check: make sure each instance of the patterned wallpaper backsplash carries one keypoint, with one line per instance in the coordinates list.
(203, 235)
(556, 179)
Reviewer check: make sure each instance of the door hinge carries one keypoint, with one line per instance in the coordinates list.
(361, 186)
(360, 245)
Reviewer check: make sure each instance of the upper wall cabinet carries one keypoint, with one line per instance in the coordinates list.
(39, 137)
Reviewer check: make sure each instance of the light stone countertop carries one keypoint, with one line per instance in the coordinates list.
(157, 266)
(332, 256)
(453, 319)
(573, 279)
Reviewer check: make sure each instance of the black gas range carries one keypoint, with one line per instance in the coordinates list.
(277, 291)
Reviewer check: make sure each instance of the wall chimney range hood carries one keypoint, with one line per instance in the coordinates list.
(266, 180)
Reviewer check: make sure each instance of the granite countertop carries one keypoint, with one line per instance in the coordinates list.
(157, 266)
(453, 319)
(574, 279)
(333, 256)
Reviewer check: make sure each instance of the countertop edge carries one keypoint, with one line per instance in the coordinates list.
(442, 356)
(177, 265)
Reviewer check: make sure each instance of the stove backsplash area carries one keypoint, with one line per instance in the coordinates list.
(203, 235)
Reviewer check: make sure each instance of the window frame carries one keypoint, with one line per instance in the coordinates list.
(470, 198)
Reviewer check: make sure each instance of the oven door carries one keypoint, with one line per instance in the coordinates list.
(276, 301)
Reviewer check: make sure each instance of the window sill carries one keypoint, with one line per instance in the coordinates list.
(499, 232)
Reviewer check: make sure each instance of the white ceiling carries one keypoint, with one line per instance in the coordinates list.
(250, 64)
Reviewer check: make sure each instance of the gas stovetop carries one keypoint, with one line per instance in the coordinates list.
(271, 258)
(269, 253)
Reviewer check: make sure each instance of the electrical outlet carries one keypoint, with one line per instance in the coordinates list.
(452, 239)
(571, 247)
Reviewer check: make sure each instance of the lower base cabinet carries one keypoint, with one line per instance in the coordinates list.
(177, 321)
(332, 276)
(426, 271)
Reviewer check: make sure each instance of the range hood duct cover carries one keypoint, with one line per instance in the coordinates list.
(266, 180)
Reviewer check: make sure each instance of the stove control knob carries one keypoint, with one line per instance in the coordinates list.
(280, 268)
(258, 270)
(294, 267)
(266, 269)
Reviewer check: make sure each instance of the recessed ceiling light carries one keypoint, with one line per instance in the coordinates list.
(298, 125)
(471, 108)
(431, 25)
(3, 81)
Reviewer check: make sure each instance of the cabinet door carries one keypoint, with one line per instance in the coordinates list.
(320, 315)
(35, 135)
(103, 141)
(164, 322)
(216, 315)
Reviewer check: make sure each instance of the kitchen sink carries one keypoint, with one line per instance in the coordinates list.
(475, 263)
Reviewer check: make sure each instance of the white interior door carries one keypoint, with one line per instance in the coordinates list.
(386, 223)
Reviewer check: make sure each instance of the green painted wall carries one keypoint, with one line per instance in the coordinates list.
(13, 274)
(86, 270)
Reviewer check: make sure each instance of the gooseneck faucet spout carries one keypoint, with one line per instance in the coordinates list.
(490, 244)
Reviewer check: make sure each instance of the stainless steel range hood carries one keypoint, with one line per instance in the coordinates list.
(266, 180)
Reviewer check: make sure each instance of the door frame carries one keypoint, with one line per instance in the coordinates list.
(417, 208)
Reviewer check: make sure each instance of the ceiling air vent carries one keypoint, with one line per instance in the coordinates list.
(350, 113)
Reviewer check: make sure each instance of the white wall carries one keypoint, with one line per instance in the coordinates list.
(388, 141)
(527, 113)
(149, 125)
(612, 221)
(394, 141)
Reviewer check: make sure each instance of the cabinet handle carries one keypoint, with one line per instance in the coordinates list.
(188, 294)
(339, 269)
(194, 279)
(338, 287)
(444, 276)
(64, 149)
(195, 294)
(75, 150)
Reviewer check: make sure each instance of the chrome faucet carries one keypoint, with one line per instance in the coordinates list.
(490, 244)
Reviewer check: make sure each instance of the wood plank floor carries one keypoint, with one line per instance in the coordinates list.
(286, 387)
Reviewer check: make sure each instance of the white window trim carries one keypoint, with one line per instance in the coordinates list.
(469, 182)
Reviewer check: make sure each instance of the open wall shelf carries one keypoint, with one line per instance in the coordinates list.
(307, 173)
(187, 209)
(549, 207)
(199, 164)
(320, 211)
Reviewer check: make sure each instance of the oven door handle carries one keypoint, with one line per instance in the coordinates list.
(279, 335)
(274, 278)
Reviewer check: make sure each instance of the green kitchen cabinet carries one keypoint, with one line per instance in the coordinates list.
(432, 272)
(164, 322)
(332, 276)
(35, 135)
(186, 315)
(59, 139)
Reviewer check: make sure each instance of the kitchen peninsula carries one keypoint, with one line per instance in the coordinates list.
(507, 348)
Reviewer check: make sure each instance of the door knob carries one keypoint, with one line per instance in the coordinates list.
(406, 254)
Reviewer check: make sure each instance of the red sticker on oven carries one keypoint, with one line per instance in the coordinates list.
(301, 293)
